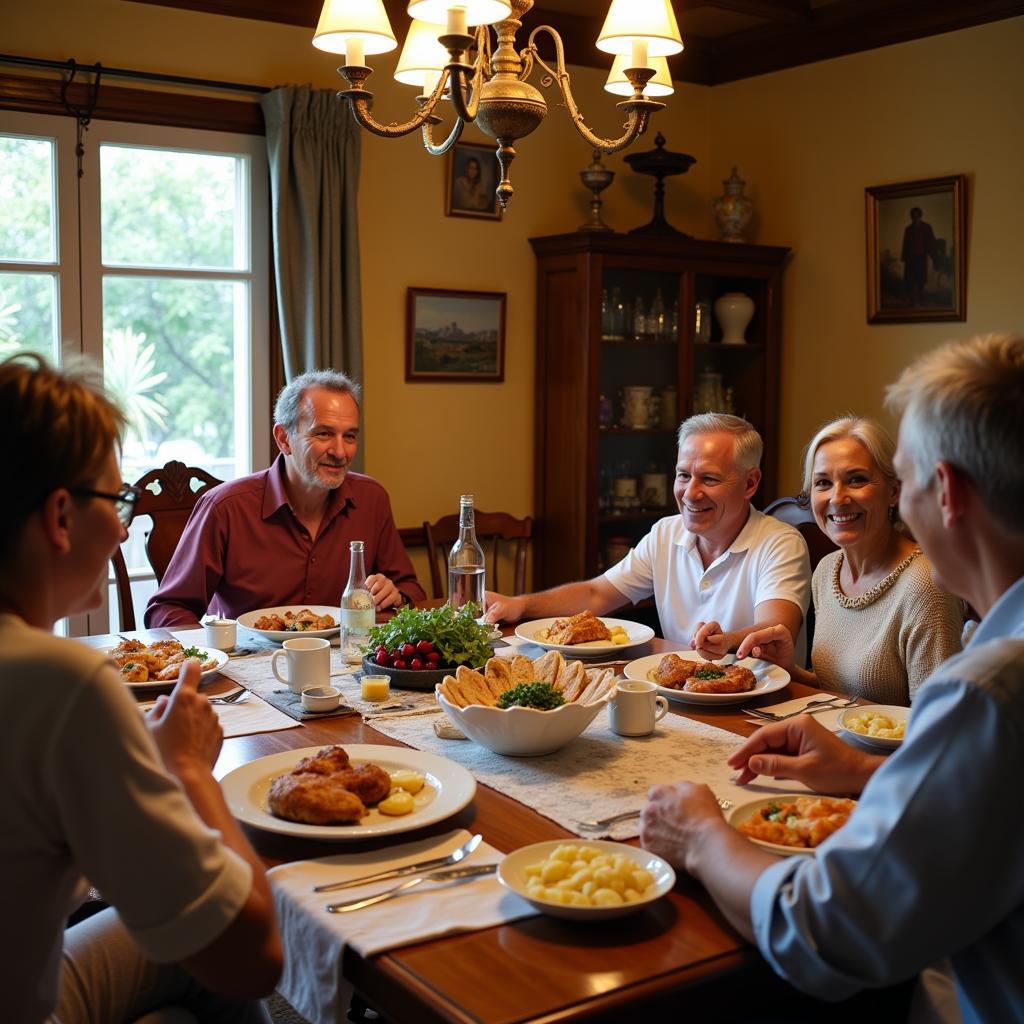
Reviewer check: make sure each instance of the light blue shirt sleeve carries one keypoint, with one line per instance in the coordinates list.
(930, 864)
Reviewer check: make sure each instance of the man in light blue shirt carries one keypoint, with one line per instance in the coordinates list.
(931, 863)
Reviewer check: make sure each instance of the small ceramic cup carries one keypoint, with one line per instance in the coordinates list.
(321, 698)
(221, 633)
(309, 663)
(375, 689)
(635, 708)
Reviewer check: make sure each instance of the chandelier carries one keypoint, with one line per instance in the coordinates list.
(448, 55)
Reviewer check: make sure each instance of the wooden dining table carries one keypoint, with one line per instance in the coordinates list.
(677, 956)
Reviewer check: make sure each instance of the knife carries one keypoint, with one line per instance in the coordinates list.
(410, 869)
(475, 871)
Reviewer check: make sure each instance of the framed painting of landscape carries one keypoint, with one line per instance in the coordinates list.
(455, 336)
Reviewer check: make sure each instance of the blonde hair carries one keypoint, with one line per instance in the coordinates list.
(875, 438)
(59, 428)
(747, 444)
(963, 403)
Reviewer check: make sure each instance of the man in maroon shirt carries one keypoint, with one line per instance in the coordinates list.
(282, 536)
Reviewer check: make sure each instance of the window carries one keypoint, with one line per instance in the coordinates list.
(161, 274)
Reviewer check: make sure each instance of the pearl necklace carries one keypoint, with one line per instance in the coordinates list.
(872, 595)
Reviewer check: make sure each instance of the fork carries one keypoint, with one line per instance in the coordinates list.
(602, 823)
(230, 698)
(817, 705)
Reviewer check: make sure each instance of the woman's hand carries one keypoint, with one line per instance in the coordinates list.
(774, 644)
(804, 750)
(185, 727)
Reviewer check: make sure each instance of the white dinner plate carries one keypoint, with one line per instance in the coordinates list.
(637, 633)
(767, 678)
(893, 711)
(512, 875)
(279, 635)
(448, 789)
(739, 814)
(155, 685)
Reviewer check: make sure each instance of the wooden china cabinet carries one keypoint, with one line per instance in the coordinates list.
(628, 345)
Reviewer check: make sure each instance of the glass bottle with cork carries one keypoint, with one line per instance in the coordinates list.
(466, 571)
(358, 613)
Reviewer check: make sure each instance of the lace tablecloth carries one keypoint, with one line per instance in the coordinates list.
(599, 773)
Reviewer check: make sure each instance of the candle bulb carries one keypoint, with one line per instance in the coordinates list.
(639, 53)
(457, 25)
(354, 53)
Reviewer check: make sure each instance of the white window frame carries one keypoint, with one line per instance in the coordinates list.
(80, 270)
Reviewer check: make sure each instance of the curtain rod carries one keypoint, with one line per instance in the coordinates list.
(147, 76)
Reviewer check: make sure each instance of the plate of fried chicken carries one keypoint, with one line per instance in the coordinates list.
(584, 635)
(686, 677)
(287, 621)
(156, 666)
(310, 783)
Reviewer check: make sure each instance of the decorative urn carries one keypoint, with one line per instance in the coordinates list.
(733, 210)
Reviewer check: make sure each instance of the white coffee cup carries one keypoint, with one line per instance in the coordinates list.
(221, 633)
(635, 708)
(309, 663)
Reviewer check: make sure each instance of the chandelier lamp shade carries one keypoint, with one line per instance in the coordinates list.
(449, 55)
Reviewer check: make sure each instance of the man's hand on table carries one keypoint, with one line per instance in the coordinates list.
(710, 640)
(804, 750)
(384, 592)
(674, 817)
(184, 726)
(503, 609)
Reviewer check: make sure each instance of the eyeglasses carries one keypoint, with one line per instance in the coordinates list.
(124, 501)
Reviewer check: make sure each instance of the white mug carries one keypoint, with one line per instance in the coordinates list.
(221, 633)
(635, 708)
(309, 663)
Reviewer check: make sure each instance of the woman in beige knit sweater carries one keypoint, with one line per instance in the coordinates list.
(882, 625)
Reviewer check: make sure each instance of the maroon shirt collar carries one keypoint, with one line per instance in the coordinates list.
(275, 497)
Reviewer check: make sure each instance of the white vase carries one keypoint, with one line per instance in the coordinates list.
(734, 310)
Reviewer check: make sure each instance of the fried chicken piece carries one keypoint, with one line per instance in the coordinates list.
(369, 782)
(270, 622)
(672, 671)
(127, 647)
(725, 679)
(326, 761)
(578, 629)
(134, 672)
(166, 648)
(314, 799)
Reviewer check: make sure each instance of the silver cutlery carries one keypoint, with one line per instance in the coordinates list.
(811, 708)
(409, 869)
(602, 823)
(477, 871)
(230, 698)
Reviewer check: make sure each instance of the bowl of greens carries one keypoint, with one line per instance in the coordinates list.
(418, 647)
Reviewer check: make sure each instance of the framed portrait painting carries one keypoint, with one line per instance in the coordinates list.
(455, 336)
(472, 179)
(917, 259)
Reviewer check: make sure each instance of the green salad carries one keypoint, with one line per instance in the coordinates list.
(436, 637)
(542, 696)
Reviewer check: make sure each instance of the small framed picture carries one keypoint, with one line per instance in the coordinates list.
(917, 251)
(472, 179)
(455, 336)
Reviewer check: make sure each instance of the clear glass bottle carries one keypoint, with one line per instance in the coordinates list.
(606, 315)
(357, 609)
(639, 319)
(656, 323)
(466, 572)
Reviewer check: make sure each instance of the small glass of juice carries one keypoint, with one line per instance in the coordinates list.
(375, 688)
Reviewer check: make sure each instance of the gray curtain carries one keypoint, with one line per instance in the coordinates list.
(313, 148)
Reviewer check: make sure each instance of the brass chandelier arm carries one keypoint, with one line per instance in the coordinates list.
(453, 137)
(638, 108)
(465, 92)
(360, 99)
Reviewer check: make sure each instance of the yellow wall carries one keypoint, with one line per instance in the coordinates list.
(808, 141)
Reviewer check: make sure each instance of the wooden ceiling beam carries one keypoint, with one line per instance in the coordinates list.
(774, 10)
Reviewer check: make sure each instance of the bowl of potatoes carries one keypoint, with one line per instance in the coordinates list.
(586, 881)
(525, 708)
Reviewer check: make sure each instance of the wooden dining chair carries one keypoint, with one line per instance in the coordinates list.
(168, 495)
(493, 531)
(796, 510)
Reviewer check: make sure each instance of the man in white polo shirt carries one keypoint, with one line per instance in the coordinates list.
(715, 568)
